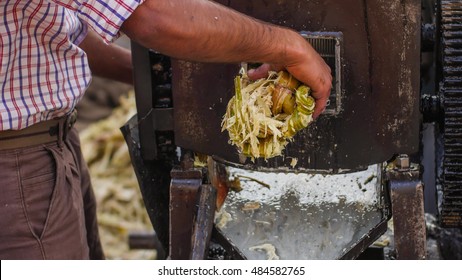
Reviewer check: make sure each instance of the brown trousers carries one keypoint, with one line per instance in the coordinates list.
(47, 205)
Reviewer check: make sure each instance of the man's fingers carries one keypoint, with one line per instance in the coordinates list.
(319, 107)
(260, 72)
(321, 86)
(321, 94)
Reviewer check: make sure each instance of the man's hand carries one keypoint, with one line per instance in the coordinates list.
(310, 69)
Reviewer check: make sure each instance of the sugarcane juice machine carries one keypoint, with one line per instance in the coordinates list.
(356, 166)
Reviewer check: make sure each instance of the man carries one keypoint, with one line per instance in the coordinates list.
(47, 48)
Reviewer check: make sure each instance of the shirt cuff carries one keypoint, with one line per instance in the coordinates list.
(82, 33)
(107, 17)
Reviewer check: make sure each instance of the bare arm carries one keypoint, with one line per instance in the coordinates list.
(202, 30)
(107, 61)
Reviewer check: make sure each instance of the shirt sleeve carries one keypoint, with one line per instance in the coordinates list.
(105, 17)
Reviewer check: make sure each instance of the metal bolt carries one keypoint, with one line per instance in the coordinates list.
(402, 162)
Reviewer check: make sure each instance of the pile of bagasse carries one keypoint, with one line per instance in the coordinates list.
(120, 206)
(264, 115)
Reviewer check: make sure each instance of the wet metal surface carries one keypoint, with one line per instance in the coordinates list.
(302, 216)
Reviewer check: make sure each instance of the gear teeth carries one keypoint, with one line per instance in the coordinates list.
(451, 92)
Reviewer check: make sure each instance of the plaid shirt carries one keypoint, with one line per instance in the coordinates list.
(43, 72)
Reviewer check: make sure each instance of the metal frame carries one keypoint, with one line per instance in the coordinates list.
(407, 198)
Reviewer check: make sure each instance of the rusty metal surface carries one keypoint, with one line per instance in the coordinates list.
(406, 192)
(380, 97)
(144, 240)
(184, 191)
(218, 176)
(203, 225)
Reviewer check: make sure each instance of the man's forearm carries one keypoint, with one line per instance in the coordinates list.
(216, 34)
(107, 61)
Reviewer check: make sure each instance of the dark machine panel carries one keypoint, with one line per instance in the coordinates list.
(376, 105)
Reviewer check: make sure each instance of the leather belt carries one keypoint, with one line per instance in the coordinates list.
(41, 133)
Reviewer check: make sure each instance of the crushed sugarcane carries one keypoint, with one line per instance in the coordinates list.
(255, 180)
(293, 162)
(264, 115)
(268, 248)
